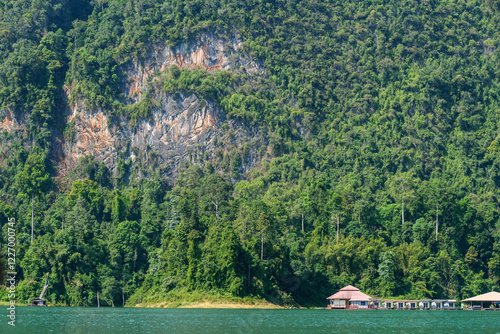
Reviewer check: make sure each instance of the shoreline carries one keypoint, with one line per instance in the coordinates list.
(186, 304)
(6, 303)
(210, 305)
(199, 299)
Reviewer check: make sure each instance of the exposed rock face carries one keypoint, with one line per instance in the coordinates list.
(175, 127)
(179, 126)
(9, 121)
(208, 52)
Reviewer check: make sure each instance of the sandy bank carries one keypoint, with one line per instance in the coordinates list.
(214, 305)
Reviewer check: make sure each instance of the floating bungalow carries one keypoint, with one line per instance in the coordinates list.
(450, 304)
(418, 304)
(387, 303)
(349, 297)
(425, 304)
(399, 304)
(38, 302)
(486, 301)
(411, 304)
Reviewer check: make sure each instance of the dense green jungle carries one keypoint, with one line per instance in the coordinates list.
(379, 163)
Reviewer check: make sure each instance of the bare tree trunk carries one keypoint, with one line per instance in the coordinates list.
(261, 247)
(403, 212)
(45, 286)
(338, 227)
(302, 221)
(98, 304)
(216, 204)
(402, 203)
(437, 224)
(112, 304)
(32, 209)
(135, 257)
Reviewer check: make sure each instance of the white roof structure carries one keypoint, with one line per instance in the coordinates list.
(492, 296)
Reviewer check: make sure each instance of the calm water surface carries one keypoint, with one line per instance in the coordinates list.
(141, 320)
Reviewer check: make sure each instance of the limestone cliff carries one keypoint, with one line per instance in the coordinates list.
(208, 52)
(9, 122)
(175, 126)
(179, 126)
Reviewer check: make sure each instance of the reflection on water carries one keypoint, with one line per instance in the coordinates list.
(141, 320)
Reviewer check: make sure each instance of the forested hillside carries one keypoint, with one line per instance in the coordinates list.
(377, 159)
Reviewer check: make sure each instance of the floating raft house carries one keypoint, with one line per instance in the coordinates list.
(490, 300)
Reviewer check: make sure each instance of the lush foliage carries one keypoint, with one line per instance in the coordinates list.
(381, 121)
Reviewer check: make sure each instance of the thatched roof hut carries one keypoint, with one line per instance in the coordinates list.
(349, 297)
(350, 293)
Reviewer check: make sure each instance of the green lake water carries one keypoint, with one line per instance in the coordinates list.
(76, 320)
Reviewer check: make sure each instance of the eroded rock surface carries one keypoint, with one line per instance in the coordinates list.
(208, 52)
(177, 125)
(9, 122)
